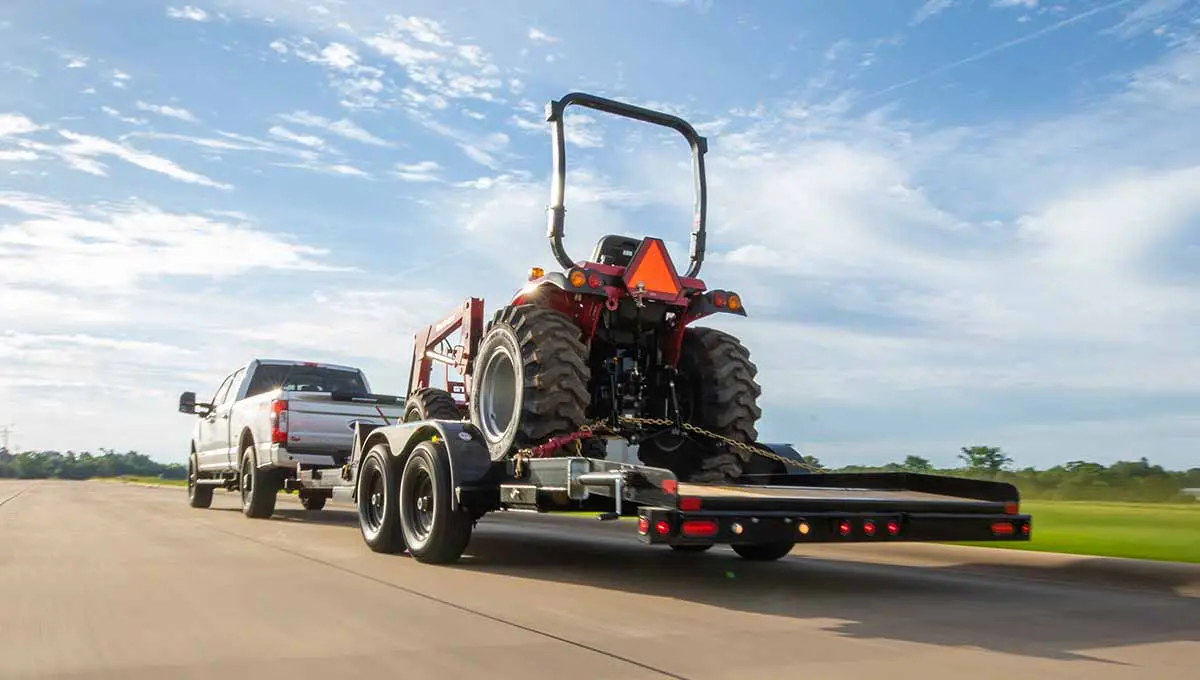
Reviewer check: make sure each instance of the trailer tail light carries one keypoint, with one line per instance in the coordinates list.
(662, 527)
(869, 528)
(699, 527)
(643, 526)
(893, 527)
(689, 504)
(844, 527)
(279, 421)
(1002, 528)
(1025, 528)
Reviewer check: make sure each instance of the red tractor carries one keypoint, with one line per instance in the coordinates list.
(605, 346)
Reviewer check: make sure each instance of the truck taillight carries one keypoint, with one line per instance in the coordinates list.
(279, 421)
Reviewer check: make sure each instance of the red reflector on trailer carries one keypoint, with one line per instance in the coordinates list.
(844, 527)
(1002, 528)
(689, 504)
(699, 527)
(893, 527)
(643, 526)
(662, 528)
(869, 528)
(670, 486)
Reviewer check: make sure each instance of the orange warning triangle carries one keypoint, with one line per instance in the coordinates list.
(652, 269)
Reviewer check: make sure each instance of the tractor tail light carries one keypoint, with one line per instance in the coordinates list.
(718, 299)
(594, 281)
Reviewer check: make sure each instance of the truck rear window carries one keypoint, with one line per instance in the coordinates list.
(306, 379)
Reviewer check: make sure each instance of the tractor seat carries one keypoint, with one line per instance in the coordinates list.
(615, 250)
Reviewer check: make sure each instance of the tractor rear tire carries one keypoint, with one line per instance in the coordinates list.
(530, 379)
(431, 403)
(718, 379)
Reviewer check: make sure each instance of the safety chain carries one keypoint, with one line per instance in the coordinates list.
(588, 429)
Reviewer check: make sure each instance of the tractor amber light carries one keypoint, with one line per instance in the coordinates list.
(699, 527)
(1002, 528)
(735, 302)
(893, 527)
(662, 527)
(689, 504)
(718, 299)
(651, 269)
(643, 526)
(1012, 508)
(844, 527)
(869, 528)
(594, 281)
(536, 273)
(577, 278)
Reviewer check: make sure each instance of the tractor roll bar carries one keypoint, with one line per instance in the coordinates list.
(554, 115)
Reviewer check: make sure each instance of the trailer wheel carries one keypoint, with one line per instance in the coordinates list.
(259, 487)
(378, 518)
(718, 391)
(763, 552)
(434, 533)
(199, 495)
(313, 501)
(530, 379)
(431, 403)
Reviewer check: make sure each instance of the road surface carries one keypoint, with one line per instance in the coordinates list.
(101, 579)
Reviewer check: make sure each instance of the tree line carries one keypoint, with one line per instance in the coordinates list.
(1075, 480)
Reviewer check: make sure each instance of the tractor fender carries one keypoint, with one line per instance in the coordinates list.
(470, 460)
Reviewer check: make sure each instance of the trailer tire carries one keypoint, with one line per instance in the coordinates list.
(313, 501)
(376, 502)
(433, 531)
(530, 379)
(763, 552)
(717, 379)
(259, 488)
(199, 495)
(431, 403)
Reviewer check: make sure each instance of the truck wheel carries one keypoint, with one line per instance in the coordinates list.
(763, 552)
(718, 392)
(530, 380)
(199, 495)
(313, 501)
(434, 533)
(376, 502)
(259, 487)
(431, 403)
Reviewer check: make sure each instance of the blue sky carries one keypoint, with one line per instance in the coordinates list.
(954, 222)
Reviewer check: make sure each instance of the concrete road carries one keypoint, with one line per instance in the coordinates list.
(107, 580)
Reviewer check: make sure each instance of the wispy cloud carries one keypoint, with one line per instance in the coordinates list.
(311, 141)
(342, 127)
(539, 36)
(188, 13)
(424, 171)
(167, 111)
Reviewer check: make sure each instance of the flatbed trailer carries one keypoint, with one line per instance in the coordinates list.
(423, 485)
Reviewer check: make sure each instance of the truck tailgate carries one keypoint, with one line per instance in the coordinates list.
(320, 423)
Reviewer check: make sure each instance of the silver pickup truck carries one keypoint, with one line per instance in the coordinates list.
(270, 419)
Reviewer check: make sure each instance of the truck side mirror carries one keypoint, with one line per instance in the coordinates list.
(187, 402)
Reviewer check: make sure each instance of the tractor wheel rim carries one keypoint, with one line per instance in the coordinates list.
(498, 395)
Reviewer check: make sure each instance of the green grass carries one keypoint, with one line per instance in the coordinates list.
(1152, 531)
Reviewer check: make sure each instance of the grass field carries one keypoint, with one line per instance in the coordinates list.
(1152, 531)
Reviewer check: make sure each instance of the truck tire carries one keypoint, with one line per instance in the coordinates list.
(718, 391)
(431, 403)
(376, 501)
(530, 379)
(433, 532)
(763, 552)
(259, 487)
(313, 501)
(199, 495)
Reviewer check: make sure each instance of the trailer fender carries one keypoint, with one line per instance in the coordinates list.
(470, 461)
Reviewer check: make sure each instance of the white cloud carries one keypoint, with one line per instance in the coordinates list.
(119, 78)
(343, 128)
(188, 13)
(167, 111)
(83, 148)
(424, 171)
(285, 134)
(12, 124)
(538, 35)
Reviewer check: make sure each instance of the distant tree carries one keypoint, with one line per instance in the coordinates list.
(989, 458)
(917, 464)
